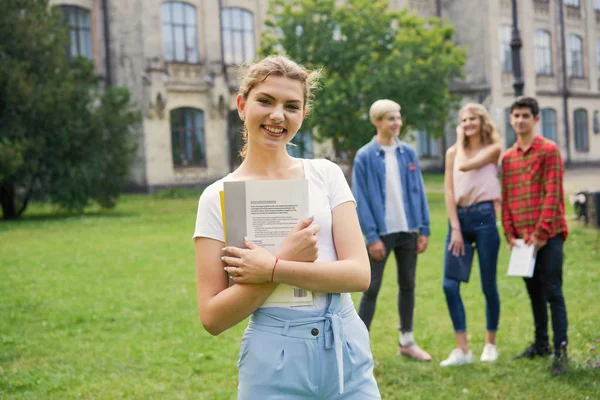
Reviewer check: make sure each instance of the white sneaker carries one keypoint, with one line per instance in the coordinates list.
(457, 357)
(490, 353)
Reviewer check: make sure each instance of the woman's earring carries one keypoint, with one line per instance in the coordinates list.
(242, 117)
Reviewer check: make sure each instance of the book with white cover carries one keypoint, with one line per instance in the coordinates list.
(522, 259)
(265, 212)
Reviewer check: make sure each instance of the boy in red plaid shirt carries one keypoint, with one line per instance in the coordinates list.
(533, 209)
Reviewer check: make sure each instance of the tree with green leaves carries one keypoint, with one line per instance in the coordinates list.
(62, 138)
(367, 52)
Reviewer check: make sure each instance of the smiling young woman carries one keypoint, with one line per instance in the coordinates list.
(472, 192)
(316, 351)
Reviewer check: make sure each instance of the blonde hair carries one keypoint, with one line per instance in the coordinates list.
(488, 132)
(382, 107)
(278, 66)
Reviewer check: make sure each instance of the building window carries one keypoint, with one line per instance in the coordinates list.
(187, 137)
(509, 132)
(237, 33)
(597, 5)
(236, 142)
(426, 145)
(179, 32)
(581, 129)
(543, 53)
(549, 124)
(505, 50)
(575, 56)
(80, 31)
(303, 145)
(598, 54)
(572, 3)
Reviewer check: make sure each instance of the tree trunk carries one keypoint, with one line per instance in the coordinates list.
(7, 197)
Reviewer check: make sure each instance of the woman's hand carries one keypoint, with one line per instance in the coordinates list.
(460, 135)
(252, 265)
(457, 245)
(301, 243)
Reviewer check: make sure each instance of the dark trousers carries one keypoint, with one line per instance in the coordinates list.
(404, 245)
(546, 287)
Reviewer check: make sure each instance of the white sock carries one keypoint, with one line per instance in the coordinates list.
(406, 339)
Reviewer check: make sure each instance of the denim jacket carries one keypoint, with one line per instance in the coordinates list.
(368, 187)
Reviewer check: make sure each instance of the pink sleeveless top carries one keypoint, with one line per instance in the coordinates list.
(477, 185)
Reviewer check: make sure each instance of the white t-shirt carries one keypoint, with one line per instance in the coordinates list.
(395, 215)
(327, 188)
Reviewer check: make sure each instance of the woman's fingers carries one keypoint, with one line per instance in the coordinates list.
(233, 251)
(314, 229)
(232, 261)
(233, 271)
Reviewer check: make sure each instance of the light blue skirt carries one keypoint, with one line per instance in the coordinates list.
(295, 354)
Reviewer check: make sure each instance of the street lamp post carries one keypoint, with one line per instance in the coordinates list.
(515, 45)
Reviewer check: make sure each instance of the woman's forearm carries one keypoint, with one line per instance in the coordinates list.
(449, 186)
(488, 155)
(234, 304)
(328, 277)
(451, 210)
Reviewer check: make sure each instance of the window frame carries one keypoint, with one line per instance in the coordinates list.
(546, 52)
(546, 124)
(504, 33)
(509, 132)
(302, 145)
(431, 149)
(77, 12)
(179, 31)
(232, 34)
(178, 127)
(583, 125)
(573, 38)
(598, 54)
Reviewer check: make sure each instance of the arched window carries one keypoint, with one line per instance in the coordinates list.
(80, 31)
(549, 124)
(187, 137)
(505, 33)
(179, 32)
(575, 56)
(509, 133)
(581, 129)
(543, 53)
(237, 34)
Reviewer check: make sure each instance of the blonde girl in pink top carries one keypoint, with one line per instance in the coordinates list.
(472, 189)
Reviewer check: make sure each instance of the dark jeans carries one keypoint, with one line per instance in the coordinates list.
(546, 287)
(478, 226)
(404, 245)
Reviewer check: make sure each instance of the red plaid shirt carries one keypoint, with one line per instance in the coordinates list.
(532, 191)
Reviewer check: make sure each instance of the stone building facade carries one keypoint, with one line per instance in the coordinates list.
(178, 59)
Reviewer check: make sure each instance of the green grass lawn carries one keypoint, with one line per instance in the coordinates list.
(102, 306)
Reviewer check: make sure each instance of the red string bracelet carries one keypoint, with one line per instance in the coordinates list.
(274, 265)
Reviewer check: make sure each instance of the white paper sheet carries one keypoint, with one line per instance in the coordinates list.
(522, 260)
